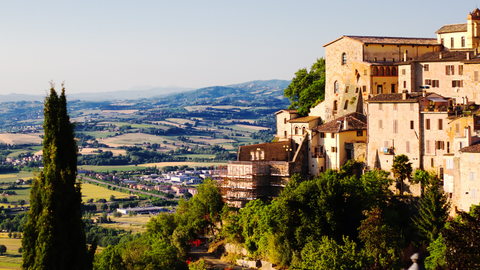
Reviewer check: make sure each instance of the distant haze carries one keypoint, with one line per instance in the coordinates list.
(106, 46)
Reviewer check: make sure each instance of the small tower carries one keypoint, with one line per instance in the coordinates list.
(473, 29)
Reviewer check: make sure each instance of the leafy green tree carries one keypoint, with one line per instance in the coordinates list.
(3, 249)
(112, 198)
(433, 212)
(54, 236)
(328, 254)
(381, 241)
(462, 241)
(21, 202)
(401, 169)
(307, 87)
(425, 178)
(437, 251)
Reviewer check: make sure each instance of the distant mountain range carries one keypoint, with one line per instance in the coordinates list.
(167, 92)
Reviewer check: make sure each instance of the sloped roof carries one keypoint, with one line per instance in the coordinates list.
(390, 40)
(446, 55)
(356, 121)
(288, 111)
(305, 119)
(397, 97)
(452, 28)
(474, 148)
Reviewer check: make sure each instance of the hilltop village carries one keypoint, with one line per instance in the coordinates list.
(384, 96)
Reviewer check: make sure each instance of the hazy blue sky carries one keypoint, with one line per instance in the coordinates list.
(108, 45)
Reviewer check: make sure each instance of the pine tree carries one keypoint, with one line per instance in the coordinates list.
(433, 212)
(54, 236)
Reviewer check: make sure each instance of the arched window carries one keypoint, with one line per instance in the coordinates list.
(346, 105)
(335, 87)
(335, 105)
(381, 72)
(387, 71)
(344, 59)
(303, 131)
(394, 71)
(296, 130)
(375, 71)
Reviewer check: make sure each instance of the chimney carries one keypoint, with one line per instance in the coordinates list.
(440, 55)
(424, 94)
(405, 56)
(404, 94)
(468, 55)
(345, 124)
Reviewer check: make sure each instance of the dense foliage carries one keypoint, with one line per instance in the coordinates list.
(54, 236)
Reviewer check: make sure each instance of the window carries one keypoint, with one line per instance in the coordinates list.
(440, 124)
(335, 105)
(334, 149)
(385, 144)
(457, 128)
(387, 71)
(395, 107)
(364, 88)
(403, 71)
(472, 158)
(393, 88)
(346, 105)
(395, 126)
(432, 163)
(404, 84)
(322, 135)
(472, 176)
(452, 43)
(463, 42)
(427, 123)
(359, 133)
(440, 145)
(346, 89)
(344, 59)
(457, 83)
(303, 130)
(428, 82)
(285, 134)
(412, 125)
(284, 120)
(381, 72)
(426, 67)
(375, 71)
(449, 70)
(380, 107)
(460, 70)
(374, 59)
(427, 146)
(442, 41)
(380, 124)
(407, 146)
(335, 87)
(394, 70)
(296, 130)
(449, 164)
(435, 83)
(252, 155)
(332, 135)
(412, 107)
(448, 149)
(474, 193)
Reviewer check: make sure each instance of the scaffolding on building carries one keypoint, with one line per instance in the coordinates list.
(244, 181)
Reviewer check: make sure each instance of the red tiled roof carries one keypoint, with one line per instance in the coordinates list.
(305, 119)
(356, 121)
(289, 111)
(452, 28)
(475, 148)
(397, 97)
(391, 40)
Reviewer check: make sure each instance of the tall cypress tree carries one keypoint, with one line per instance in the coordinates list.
(54, 236)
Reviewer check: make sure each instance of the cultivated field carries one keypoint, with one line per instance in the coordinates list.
(94, 151)
(131, 139)
(11, 259)
(10, 138)
(12, 177)
(135, 223)
(90, 191)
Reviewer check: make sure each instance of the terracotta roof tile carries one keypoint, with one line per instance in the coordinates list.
(356, 121)
(305, 119)
(411, 97)
(395, 40)
(446, 56)
(474, 148)
(452, 28)
(289, 111)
